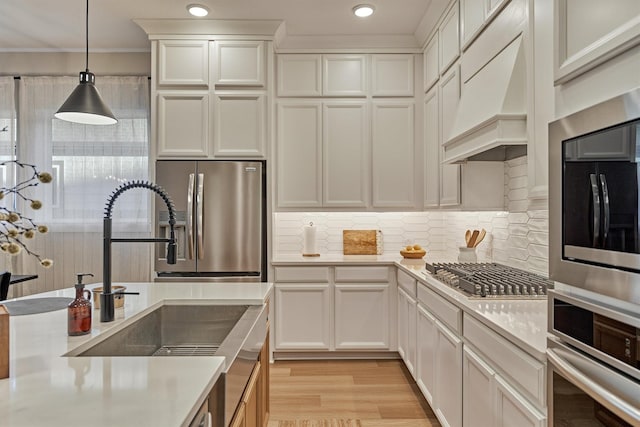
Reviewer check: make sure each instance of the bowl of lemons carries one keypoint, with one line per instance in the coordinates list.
(413, 251)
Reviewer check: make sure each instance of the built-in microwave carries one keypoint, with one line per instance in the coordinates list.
(594, 194)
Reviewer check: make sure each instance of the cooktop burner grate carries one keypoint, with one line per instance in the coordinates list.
(491, 280)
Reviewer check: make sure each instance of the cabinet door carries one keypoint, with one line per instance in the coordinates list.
(264, 394)
(362, 317)
(472, 17)
(344, 75)
(431, 148)
(393, 154)
(449, 34)
(449, 98)
(403, 319)
(345, 143)
(239, 125)
(478, 390)
(448, 389)
(392, 75)
(239, 63)
(431, 65)
(426, 351)
(303, 317)
(183, 123)
(299, 75)
(250, 398)
(239, 417)
(183, 63)
(299, 154)
(513, 410)
(412, 324)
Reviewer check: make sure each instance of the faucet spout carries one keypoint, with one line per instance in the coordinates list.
(107, 302)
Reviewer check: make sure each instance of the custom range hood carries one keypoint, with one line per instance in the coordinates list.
(491, 120)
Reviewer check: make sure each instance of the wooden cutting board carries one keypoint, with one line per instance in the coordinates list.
(359, 242)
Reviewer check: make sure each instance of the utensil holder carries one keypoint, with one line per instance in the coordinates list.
(467, 254)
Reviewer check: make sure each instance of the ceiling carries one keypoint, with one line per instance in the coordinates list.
(58, 25)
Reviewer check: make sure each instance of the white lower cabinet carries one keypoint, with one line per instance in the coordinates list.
(513, 410)
(448, 377)
(478, 407)
(426, 356)
(303, 316)
(407, 319)
(361, 317)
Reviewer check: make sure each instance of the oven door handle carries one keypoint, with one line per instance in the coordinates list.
(600, 391)
(605, 204)
(595, 193)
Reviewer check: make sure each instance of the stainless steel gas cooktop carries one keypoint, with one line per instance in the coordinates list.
(491, 280)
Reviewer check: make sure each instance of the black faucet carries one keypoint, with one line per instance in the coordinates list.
(107, 297)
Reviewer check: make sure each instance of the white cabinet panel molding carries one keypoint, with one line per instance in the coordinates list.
(299, 154)
(239, 63)
(362, 317)
(303, 317)
(393, 148)
(183, 62)
(392, 75)
(183, 123)
(299, 75)
(431, 65)
(344, 75)
(590, 32)
(345, 142)
(239, 125)
(449, 99)
(432, 149)
(449, 35)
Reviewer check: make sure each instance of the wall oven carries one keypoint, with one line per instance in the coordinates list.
(593, 365)
(594, 229)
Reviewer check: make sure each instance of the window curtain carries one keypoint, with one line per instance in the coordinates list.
(7, 150)
(87, 163)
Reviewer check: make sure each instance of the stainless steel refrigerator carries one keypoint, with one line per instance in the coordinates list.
(220, 219)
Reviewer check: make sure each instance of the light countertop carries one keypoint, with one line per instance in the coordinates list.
(47, 388)
(523, 322)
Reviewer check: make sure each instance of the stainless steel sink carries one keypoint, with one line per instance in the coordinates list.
(236, 332)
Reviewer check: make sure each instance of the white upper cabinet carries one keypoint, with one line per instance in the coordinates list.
(393, 154)
(431, 65)
(183, 124)
(432, 148)
(299, 75)
(239, 63)
(472, 14)
(299, 154)
(344, 75)
(392, 75)
(345, 142)
(449, 98)
(183, 63)
(239, 125)
(449, 38)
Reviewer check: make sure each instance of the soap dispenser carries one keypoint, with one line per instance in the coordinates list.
(79, 311)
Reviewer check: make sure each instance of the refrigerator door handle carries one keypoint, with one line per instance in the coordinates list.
(607, 210)
(200, 215)
(190, 214)
(595, 194)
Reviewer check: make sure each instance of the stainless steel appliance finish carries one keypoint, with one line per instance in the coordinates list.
(220, 219)
(594, 235)
(593, 374)
(490, 280)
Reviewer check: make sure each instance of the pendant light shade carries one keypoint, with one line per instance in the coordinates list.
(85, 105)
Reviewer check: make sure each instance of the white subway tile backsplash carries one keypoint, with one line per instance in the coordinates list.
(518, 238)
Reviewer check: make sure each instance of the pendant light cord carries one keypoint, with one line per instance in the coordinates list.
(87, 37)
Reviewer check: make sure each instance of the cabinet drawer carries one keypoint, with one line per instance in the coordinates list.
(407, 282)
(523, 371)
(446, 312)
(362, 274)
(302, 274)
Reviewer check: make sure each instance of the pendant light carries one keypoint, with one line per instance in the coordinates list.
(85, 105)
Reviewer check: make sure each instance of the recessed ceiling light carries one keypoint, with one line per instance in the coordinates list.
(363, 10)
(198, 10)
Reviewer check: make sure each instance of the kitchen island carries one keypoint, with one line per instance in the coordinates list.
(47, 388)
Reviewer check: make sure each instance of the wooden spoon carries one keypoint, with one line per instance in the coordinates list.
(467, 236)
(472, 240)
(483, 233)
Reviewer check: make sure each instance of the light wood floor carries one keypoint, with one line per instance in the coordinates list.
(346, 393)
